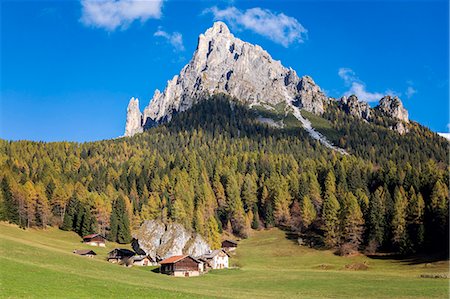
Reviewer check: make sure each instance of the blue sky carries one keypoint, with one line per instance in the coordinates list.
(69, 68)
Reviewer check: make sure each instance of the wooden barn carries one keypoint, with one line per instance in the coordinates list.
(216, 259)
(85, 252)
(95, 240)
(120, 255)
(229, 245)
(181, 266)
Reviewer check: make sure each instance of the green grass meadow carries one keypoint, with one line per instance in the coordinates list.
(40, 264)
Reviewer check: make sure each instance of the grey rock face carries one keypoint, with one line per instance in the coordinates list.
(352, 106)
(310, 95)
(223, 63)
(400, 128)
(157, 239)
(134, 118)
(393, 107)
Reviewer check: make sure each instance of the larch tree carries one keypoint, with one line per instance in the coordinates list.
(398, 226)
(308, 212)
(352, 222)
(330, 212)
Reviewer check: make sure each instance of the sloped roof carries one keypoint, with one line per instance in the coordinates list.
(231, 241)
(177, 258)
(92, 236)
(138, 258)
(120, 253)
(172, 259)
(84, 252)
(214, 253)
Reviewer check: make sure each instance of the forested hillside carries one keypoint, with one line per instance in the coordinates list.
(215, 167)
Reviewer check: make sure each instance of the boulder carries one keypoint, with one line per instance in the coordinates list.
(160, 240)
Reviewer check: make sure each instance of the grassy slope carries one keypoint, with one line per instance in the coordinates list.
(321, 125)
(37, 263)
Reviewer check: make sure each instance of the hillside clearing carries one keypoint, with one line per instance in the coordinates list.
(37, 263)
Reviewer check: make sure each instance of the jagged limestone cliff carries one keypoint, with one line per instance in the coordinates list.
(223, 63)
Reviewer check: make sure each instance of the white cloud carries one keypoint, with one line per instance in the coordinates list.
(175, 38)
(359, 90)
(358, 87)
(279, 28)
(410, 91)
(112, 14)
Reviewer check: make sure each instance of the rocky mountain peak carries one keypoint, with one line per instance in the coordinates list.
(351, 105)
(393, 107)
(225, 64)
(218, 28)
(134, 118)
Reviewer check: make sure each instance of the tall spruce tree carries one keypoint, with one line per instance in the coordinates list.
(120, 223)
(376, 219)
(11, 207)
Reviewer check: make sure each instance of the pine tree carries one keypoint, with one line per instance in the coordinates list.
(255, 220)
(415, 214)
(11, 207)
(68, 222)
(376, 224)
(438, 207)
(120, 223)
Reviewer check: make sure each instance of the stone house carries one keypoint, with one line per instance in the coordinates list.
(143, 260)
(217, 259)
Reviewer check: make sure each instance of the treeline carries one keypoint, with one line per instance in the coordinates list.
(215, 168)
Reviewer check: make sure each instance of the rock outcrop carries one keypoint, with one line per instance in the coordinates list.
(160, 240)
(310, 95)
(393, 107)
(352, 106)
(223, 63)
(134, 118)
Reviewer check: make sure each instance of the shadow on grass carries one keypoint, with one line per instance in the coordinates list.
(309, 239)
(415, 259)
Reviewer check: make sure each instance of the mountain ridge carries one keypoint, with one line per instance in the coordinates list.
(225, 64)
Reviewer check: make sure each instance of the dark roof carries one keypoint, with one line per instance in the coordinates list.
(231, 241)
(120, 252)
(93, 236)
(84, 252)
(176, 258)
